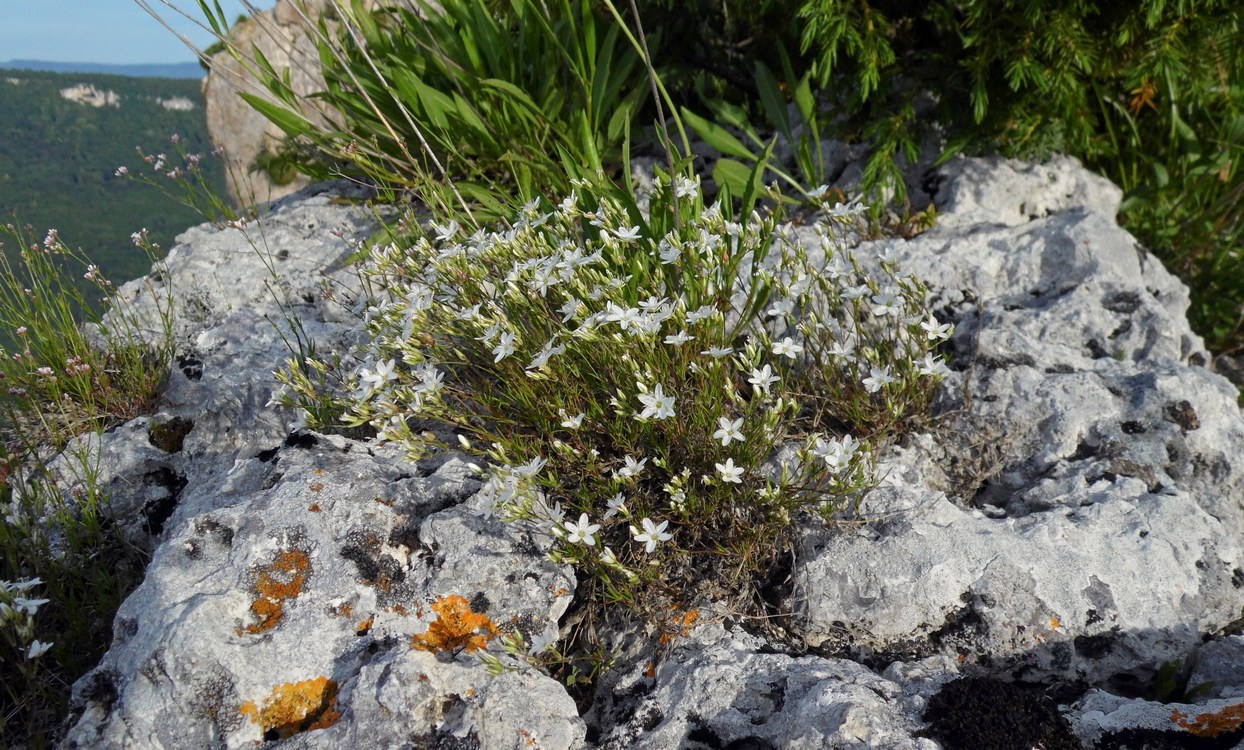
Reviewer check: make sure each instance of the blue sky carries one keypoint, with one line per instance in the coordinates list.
(103, 31)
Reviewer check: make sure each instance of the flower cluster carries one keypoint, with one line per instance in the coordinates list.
(634, 378)
(17, 617)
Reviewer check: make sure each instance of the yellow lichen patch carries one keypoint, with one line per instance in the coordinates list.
(296, 707)
(1213, 723)
(275, 584)
(364, 627)
(455, 628)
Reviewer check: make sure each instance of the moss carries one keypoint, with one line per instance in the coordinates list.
(457, 628)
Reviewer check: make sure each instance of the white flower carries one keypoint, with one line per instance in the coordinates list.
(686, 188)
(717, 352)
(931, 365)
(615, 505)
(631, 469)
(446, 231)
(695, 316)
(656, 404)
(548, 352)
(934, 330)
(540, 642)
(505, 348)
(788, 347)
(531, 468)
(627, 234)
(818, 192)
(729, 472)
(729, 430)
(886, 304)
(842, 349)
(854, 208)
(877, 378)
(624, 317)
(37, 649)
(571, 423)
(570, 309)
(837, 454)
(669, 252)
(385, 371)
(582, 532)
(608, 557)
(651, 535)
(763, 378)
(678, 339)
(28, 606)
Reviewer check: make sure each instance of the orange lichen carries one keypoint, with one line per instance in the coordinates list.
(275, 584)
(317, 486)
(1055, 623)
(364, 627)
(650, 670)
(678, 625)
(296, 707)
(1211, 724)
(456, 628)
(315, 508)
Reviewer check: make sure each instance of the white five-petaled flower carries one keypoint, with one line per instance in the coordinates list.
(886, 304)
(763, 378)
(729, 472)
(631, 469)
(384, 372)
(931, 365)
(818, 192)
(685, 187)
(628, 317)
(669, 253)
(717, 352)
(583, 532)
(446, 231)
(787, 347)
(571, 423)
(934, 330)
(540, 642)
(656, 404)
(505, 348)
(614, 505)
(877, 378)
(626, 234)
(652, 535)
(678, 339)
(548, 352)
(700, 313)
(37, 648)
(570, 309)
(729, 430)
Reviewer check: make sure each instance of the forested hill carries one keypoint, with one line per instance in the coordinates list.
(62, 138)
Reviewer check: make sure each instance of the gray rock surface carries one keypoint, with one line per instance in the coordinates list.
(245, 134)
(1071, 524)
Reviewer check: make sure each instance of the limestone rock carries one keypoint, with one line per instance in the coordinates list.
(1056, 556)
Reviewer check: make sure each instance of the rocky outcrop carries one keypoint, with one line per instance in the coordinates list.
(234, 126)
(84, 93)
(1059, 555)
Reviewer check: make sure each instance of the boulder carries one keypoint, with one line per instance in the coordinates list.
(1055, 562)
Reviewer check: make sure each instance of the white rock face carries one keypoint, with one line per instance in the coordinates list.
(1069, 530)
(85, 93)
(177, 103)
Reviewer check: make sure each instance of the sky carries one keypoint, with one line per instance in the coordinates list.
(104, 31)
